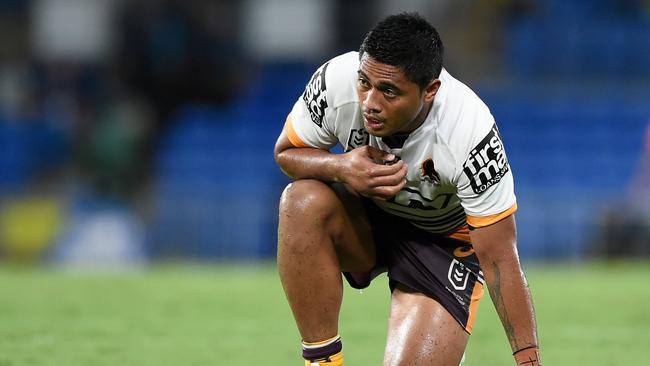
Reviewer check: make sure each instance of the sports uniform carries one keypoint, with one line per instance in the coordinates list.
(458, 177)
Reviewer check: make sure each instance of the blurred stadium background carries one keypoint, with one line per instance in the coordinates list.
(135, 132)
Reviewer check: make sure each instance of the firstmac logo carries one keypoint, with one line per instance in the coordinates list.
(487, 162)
(314, 96)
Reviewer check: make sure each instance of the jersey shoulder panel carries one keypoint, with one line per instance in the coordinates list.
(342, 77)
(483, 176)
(464, 118)
(331, 86)
(315, 114)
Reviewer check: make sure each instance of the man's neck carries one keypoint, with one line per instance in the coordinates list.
(418, 121)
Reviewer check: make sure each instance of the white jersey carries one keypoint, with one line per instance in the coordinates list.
(458, 172)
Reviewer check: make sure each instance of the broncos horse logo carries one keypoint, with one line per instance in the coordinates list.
(428, 172)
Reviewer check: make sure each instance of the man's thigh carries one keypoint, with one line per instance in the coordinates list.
(422, 332)
(327, 215)
(353, 240)
(437, 283)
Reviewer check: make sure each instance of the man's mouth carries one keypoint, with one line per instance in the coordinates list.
(372, 122)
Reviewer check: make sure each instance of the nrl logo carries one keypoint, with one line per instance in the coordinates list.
(428, 173)
(358, 137)
(458, 275)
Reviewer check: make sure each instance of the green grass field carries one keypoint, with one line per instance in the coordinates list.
(237, 315)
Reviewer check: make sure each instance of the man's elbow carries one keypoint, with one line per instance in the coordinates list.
(277, 156)
(281, 159)
(279, 149)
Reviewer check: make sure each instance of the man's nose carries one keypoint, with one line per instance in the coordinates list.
(371, 102)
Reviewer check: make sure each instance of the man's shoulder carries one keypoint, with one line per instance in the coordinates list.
(348, 59)
(343, 79)
(333, 83)
(337, 72)
(460, 97)
(465, 119)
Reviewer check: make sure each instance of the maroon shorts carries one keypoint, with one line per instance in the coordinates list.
(445, 269)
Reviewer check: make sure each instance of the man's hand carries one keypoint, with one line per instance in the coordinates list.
(363, 171)
(368, 171)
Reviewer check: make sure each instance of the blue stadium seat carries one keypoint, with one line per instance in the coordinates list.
(16, 154)
(216, 181)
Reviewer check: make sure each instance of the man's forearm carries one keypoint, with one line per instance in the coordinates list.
(511, 297)
(302, 163)
(358, 168)
(496, 248)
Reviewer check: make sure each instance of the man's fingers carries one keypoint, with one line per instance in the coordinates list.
(385, 192)
(376, 154)
(389, 180)
(378, 170)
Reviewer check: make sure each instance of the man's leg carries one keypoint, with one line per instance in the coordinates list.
(323, 230)
(422, 332)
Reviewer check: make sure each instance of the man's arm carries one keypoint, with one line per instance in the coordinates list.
(357, 168)
(496, 248)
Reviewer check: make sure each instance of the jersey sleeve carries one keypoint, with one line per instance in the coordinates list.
(311, 121)
(486, 185)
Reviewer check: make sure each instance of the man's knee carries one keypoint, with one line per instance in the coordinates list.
(308, 198)
(319, 210)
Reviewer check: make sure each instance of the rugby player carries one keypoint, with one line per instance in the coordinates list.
(423, 192)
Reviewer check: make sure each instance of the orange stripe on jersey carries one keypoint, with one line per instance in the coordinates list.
(291, 133)
(461, 233)
(489, 220)
(477, 294)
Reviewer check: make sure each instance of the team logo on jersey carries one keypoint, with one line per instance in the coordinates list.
(428, 172)
(487, 162)
(357, 138)
(458, 275)
(314, 96)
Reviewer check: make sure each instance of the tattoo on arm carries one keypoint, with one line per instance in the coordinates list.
(499, 304)
(531, 361)
(528, 357)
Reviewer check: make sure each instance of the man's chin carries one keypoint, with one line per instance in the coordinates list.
(378, 132)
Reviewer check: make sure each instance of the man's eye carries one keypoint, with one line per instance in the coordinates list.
(363, 82)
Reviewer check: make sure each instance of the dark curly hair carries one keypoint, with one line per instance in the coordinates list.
(409, 42)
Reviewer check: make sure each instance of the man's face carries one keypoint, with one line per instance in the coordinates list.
(391, 103)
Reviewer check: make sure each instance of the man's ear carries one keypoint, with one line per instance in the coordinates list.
(431, 90)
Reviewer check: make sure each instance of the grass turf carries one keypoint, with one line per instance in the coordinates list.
(224, 314)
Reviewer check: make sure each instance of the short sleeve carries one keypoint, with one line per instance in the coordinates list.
(310, 123)
(486, 185)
